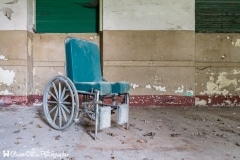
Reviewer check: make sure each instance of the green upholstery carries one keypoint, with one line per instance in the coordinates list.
(103, 87)
(82, 60)
(120, 87)
(84, 69)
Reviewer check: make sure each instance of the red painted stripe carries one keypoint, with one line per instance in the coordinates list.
(139, 100)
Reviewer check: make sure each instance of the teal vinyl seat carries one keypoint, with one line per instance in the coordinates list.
(84, 69)
(104, 88)
(120, 87)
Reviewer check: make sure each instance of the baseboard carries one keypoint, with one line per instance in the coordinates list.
(140, 100)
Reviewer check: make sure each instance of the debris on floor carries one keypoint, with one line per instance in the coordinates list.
(149, 134)
(155, 133)
(57, 137)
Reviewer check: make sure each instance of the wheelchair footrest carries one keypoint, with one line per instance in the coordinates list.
(123, 112)
(104, 117)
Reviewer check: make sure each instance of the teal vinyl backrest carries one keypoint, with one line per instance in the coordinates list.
(82, 60)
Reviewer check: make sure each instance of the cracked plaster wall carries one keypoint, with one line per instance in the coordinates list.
(218, 73)
(157, 52)
(160, 56)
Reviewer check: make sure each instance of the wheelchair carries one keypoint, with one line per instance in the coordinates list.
(83, 92)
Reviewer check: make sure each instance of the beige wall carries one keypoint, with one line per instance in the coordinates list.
(151, 44)
(13, 61)
(181, 63)
(28, 61)
(217, 65)
(154, 62)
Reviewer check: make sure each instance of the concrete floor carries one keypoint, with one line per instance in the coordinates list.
(155, 134)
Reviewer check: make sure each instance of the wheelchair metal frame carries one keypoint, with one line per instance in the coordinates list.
(63, 104)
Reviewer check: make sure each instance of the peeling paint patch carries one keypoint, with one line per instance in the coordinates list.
(160, 88)
(199, 102)
(6, 76)
(180, 89)
(237, 43)
(235, 71)
(134, 85)
(224, 82)
(209, 100)
(213, 88)
(237, 89)
(219, 86)
(227, 102)
(2, 57)
(5, 92)
(148, 86)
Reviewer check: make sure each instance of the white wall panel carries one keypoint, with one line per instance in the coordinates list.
(17, 19)
(148, 15)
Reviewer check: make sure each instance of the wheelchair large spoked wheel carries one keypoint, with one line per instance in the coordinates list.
(60, 102)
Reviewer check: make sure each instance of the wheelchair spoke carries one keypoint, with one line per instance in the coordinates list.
(55, 89)
(64, 114)
(60, 117)
(52, 102)
(56, 114)
(66, 103)
(63, 93)
(59, 89)
(53, 109)
(65, 108)
(67, 95)
(52, 95)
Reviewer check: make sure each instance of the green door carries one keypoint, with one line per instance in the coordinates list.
(66, 16)
(217, 16)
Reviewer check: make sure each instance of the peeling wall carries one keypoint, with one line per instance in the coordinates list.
(149, 47)
(149, 43)
(13, 51)
(218, 69)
